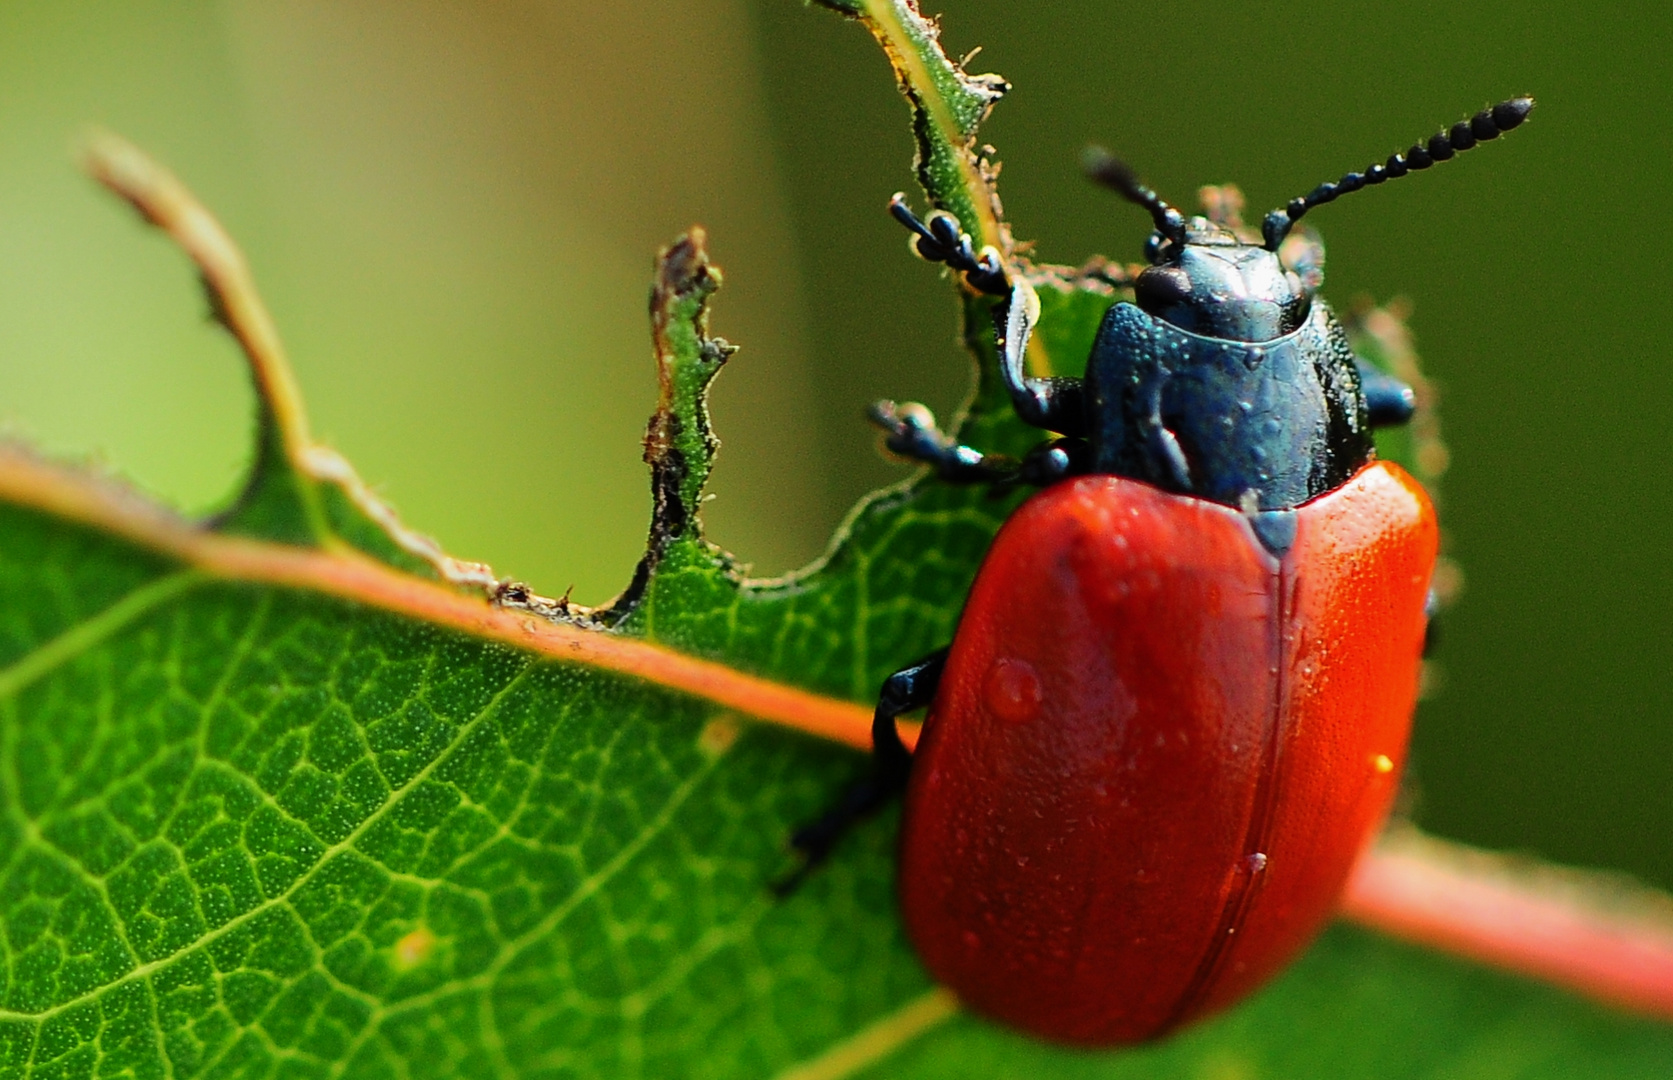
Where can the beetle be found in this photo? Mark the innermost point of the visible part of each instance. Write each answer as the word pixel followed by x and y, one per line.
pixel 1177 702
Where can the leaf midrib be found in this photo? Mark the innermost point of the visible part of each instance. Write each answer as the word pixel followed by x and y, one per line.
pixel 74 498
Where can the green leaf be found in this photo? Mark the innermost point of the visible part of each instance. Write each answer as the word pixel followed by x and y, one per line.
pixel 948 105
pixel 291 793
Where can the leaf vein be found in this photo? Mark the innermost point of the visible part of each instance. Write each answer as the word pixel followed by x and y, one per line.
pixel 93 631
pixel 346 844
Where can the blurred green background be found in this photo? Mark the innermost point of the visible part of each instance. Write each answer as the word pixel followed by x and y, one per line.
pixel 452 208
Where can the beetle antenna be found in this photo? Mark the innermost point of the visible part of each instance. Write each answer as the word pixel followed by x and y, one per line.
pixel 1110 171
pixel 1487 124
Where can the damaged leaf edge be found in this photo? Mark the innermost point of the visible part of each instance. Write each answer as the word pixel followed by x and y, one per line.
pixel 296 491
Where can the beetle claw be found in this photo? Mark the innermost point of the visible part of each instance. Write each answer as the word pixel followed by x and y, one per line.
pixel 943 240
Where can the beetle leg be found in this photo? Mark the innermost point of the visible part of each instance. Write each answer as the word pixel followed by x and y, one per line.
pixel 1388 401
pixel 943 240
pixel 911 687
pixel 1431 623
pixel 1055 404
pixel 1167 457
pixel 1049 462
pixel 909 430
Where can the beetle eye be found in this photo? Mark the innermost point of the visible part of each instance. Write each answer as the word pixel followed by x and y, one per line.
pixel 1159 288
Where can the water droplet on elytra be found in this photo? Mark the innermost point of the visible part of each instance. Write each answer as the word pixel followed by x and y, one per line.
pixel 1012 690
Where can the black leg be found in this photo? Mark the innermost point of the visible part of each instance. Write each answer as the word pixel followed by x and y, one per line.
pixel 910 431
pixel 1388 401
pixel 1049 462
pixel 1054 404
pixel 942 240
pixel 907 689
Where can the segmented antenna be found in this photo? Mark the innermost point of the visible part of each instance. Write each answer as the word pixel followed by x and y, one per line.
pixel 1113 173
pixel 1487 124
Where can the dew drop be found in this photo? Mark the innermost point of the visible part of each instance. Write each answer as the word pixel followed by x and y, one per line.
pixel 1013 690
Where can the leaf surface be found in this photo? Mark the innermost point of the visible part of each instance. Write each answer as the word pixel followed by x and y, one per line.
pixel 273 807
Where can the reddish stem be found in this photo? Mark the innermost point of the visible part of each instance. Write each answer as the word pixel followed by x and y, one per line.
pixel 1598 936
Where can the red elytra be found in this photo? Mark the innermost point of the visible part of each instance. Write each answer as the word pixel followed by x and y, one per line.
pixel 1156 750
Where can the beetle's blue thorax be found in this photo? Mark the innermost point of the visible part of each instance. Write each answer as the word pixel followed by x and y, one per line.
pixel 1226 380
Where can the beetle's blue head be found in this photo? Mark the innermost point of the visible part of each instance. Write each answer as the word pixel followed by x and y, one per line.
pixel 1214 277
pixel 1215 282
pixel 1219 280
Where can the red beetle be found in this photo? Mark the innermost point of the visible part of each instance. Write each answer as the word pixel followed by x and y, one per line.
pixel 1177 703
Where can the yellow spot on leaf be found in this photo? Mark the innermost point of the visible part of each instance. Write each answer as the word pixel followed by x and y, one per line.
pixel 719 734
pixel 414 949
pixel 1223 1066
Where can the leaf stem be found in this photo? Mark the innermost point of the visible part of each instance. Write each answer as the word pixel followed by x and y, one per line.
pixel 29 481
pixel 1595 934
